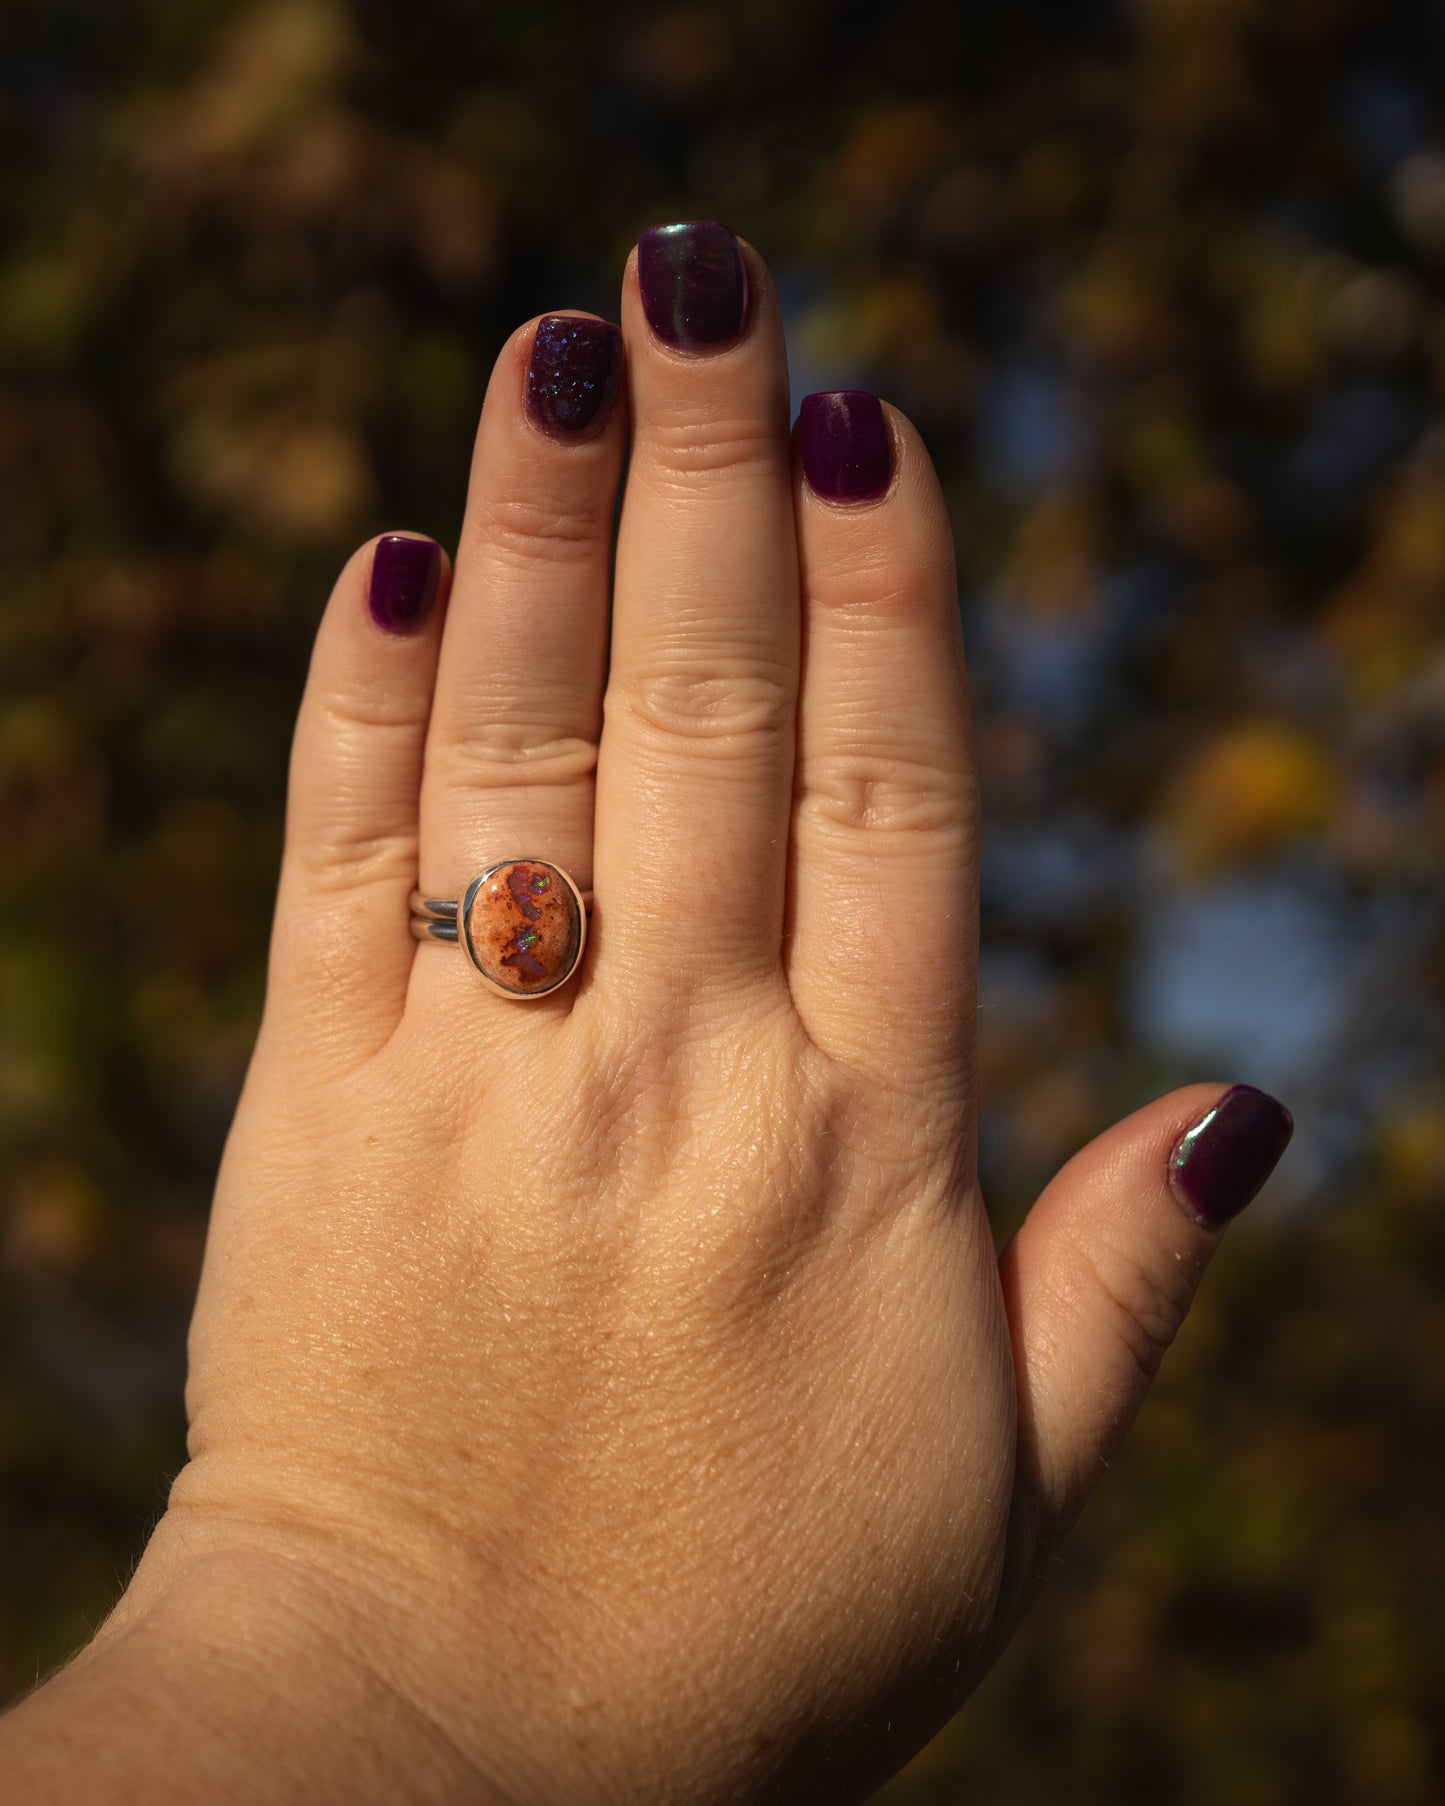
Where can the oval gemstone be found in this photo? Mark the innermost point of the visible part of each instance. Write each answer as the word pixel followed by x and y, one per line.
pixel 524 927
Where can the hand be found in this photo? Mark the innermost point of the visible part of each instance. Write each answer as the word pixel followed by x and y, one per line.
pixel 622 1387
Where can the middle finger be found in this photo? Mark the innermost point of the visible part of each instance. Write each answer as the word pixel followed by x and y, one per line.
pixel 695 766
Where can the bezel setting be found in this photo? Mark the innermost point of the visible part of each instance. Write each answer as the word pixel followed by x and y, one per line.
pixel 464 924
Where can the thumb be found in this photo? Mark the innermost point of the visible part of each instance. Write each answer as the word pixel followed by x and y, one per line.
pixel 1100 1276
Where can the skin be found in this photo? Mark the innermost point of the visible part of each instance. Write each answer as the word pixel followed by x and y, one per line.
pixel 619 1396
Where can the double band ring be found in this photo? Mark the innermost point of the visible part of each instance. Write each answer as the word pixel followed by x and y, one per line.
pixel 523 923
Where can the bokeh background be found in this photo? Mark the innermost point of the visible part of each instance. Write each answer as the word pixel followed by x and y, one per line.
pixel 1163 283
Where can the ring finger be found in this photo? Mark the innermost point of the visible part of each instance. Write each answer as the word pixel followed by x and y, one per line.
pixel 512 746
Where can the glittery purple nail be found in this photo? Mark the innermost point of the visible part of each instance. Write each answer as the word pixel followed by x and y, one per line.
pixel 1220 1164
pixel 694 284
pixel 405 572
pixel 845 445
pixel 572 374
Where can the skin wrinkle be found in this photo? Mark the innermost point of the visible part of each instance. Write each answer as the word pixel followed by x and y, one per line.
pixel 351 722
pixel 492 774
pixel 747 420
pixel 340 861
pixel 731 714
pixel 631 1141
pixel 865 579
pixel 847 795
pixel 693 471
pixel 495 750
pixel 522 535
pixel 869 604
pixel 1144 1318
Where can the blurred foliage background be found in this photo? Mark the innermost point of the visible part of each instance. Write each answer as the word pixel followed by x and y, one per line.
pixel 1162 283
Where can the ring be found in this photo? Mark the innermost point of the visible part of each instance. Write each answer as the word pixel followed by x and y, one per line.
pixel 523 923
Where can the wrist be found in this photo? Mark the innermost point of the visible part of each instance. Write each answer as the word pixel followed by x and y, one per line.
pixel 233 1676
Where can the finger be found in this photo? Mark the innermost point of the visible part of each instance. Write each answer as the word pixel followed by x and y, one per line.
pixel 881 950
pixel 342 952
pixel 697 752
pixel 513 741
pixel 1100 1276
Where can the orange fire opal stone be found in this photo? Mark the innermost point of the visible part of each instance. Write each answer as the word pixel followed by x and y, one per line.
pixel 525 927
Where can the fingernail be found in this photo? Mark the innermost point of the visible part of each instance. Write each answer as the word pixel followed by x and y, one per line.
pixel 572 374
pixel 405 572
pixel 694 284
pixel 845 444
pixel 1220 1164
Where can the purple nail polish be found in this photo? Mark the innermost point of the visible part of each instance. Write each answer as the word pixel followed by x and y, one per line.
pixel 694 284
pixel 572 374
pixel 845 444
pixel 1221 1162
pixel 405 572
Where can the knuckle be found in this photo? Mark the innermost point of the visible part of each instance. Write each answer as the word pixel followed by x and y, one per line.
pixel 355 735
pixel 884 581
pixel 497 755
pixel 346 855
pixel 1144 1314
pixel 880 795
pixel 337 720
pixel 522 532
pixel 681 450
pixel 738 711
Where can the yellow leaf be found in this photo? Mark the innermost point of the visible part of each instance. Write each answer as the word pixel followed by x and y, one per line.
pixel 1257 786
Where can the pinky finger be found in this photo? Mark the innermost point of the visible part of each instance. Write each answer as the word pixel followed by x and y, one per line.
pixel 342 949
